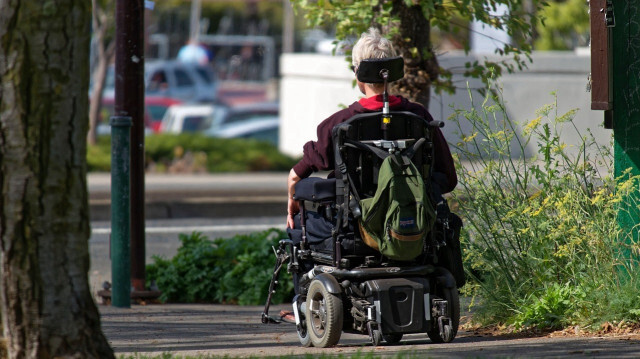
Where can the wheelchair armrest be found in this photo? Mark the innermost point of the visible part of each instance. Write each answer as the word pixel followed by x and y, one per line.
pixel 315 189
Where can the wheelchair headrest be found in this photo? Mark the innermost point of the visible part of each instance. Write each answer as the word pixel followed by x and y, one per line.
pixel 370 70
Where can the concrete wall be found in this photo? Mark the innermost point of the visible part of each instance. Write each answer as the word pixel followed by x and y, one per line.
pixel 314 86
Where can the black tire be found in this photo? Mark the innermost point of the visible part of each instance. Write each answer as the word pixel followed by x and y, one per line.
pixel 301 330
pixel 376 337
pixel 324 316
pixel 450 256
pixel 453 312
pixel 303 335
pixel 393 338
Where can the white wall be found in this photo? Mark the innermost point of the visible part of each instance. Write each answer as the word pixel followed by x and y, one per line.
pixel 313 86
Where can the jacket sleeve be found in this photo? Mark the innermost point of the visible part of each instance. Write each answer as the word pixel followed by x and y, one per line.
pixel 318 155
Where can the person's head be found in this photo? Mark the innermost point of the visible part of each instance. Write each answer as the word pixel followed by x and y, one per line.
pixel 371 45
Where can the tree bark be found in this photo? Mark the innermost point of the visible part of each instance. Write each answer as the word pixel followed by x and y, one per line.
pixel 413 43
pixel 47 307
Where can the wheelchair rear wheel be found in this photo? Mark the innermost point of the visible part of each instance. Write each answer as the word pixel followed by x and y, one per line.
pixel 324 316
pixel 453 312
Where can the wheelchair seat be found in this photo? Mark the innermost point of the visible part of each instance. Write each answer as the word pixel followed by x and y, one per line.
pixel 316 189
pixel 343 284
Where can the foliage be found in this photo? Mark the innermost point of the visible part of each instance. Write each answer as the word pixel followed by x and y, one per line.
pixel 541 239
pixel 99 155
pixel 351 18
pixel 225 270
pixel 224 17
pixel 196 153
pixel 556 33
pixel 220 155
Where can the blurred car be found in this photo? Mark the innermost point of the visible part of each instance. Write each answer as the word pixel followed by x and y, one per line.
pixel 184 81
pixel 187 82
pixel 214 120
pixel 263 128
pixel 245 113
pixel 156 107
pixel 107 110
pixel 190 118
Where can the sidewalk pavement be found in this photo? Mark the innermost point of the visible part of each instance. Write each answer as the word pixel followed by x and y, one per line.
pixel 215 329
pixel 236 331
pixel 198 195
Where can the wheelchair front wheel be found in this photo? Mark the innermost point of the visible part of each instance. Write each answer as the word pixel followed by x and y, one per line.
pixel 453 312
pixel 324 316
pixel 301 329
pixel 303 334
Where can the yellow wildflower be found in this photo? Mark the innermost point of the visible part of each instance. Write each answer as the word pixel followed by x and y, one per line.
pixel 532 125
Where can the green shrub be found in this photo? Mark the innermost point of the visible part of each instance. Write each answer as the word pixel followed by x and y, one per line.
pixel 197 153
pixel 99 155
pixel 541 238
pixel 217 154
pixel 234 270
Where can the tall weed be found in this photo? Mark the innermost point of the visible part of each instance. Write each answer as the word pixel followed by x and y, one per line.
pixel 541 239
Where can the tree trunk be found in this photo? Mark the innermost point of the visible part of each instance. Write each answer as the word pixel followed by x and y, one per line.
pixel 413 43
pixel 47 307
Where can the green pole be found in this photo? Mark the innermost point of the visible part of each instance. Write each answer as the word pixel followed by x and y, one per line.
pixel 626 109
pixel 120 211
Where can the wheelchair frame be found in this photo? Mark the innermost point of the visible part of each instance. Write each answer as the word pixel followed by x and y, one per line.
pixel 367 294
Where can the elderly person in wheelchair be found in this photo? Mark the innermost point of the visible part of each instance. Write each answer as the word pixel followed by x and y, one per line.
pixel 373 249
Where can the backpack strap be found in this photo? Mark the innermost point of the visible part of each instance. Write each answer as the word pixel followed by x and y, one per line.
pixel 382 154
pixel 406 155
pixel 411 151
pixel 345 186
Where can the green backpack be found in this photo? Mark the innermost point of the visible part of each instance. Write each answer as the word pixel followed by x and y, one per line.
pixel 398 217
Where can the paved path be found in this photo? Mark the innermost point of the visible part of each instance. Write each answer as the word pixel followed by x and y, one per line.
pixel 237 331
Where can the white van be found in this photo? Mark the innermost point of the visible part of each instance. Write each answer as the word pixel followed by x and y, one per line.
pixel 190 118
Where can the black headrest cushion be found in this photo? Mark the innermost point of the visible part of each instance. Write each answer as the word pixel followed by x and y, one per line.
pixel 370 70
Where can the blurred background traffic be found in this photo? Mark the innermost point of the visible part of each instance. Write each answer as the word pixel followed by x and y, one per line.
pixel 210 68
pixel 213 68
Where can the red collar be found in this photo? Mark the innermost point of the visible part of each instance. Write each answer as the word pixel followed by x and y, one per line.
pixel 375 102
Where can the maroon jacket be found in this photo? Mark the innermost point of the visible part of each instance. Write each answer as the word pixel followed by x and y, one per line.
pixel 318 155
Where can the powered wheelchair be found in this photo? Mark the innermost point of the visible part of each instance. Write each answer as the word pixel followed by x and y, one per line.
pixel 341 282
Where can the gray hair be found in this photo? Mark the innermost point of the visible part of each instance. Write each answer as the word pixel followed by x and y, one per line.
pixel 371 46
